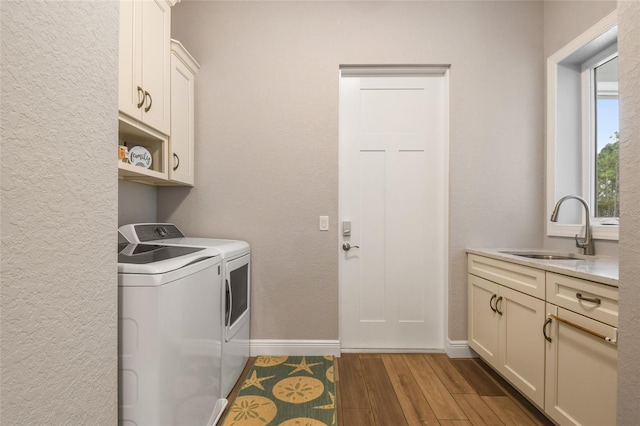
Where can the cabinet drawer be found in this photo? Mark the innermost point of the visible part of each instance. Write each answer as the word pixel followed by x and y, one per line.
pixel 574 294
pixel 521 278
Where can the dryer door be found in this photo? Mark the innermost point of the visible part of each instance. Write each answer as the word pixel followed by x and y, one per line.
pixel 237 295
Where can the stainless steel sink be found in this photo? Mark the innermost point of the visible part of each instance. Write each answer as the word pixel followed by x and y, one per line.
pixel 545 255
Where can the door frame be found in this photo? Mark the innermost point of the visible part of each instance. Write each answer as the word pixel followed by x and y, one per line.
pixel 398 71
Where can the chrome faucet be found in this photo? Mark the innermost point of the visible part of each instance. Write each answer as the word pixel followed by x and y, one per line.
pixel 585 243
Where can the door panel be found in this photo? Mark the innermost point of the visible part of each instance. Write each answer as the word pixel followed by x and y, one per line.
pixel 483 318
pixel 410 202
pixel 522 360
pixel 581 374
pixel 393 188
pixel 156 52
pixel 129 58
pixel 372 283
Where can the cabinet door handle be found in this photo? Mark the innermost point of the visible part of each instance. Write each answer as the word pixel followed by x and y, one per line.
pixel 497 309
pixel 595 300
pixel 148 107
pixel 544 329
pixel 177 162
pixel 491 303
pixel 142 98
pixel 586 330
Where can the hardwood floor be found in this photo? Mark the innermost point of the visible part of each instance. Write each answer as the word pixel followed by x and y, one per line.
pixel 423 389
pixel 426 389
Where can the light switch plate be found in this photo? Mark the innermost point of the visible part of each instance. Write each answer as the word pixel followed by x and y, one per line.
pixel 324 223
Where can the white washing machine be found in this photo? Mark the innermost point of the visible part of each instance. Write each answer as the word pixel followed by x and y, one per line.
pixel 170 339
pixel 236 294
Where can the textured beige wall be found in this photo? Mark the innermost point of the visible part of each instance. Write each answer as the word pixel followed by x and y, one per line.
pixel 628 366
pixel 267 136
pixel 59 207
pixel 565 20
pixel 137 203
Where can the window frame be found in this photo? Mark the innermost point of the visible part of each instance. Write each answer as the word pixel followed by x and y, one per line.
pixel 566 133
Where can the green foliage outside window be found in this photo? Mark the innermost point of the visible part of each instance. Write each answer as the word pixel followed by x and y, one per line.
pixel 607 180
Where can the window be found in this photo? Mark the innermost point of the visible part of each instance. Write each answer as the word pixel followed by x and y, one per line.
pixel 602 86
pixel 582 132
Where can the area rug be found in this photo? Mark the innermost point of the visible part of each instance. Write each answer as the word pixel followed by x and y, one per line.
pixel 286 391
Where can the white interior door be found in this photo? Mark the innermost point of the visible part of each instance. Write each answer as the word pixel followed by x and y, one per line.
pixel 393 191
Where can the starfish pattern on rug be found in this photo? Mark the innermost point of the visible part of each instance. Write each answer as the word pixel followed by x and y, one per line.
pixel 303 366
pixel 272 394
pixel 256 381
pixel 331 406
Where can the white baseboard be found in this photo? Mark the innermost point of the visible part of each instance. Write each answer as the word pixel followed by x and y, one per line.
pixel 453 348
pixel 391 351
pixel 459 349
pixel 275 347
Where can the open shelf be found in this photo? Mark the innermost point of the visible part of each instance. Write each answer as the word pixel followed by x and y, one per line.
pixel 133 133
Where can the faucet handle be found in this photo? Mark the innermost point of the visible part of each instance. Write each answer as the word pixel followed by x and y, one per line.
pixel 586 244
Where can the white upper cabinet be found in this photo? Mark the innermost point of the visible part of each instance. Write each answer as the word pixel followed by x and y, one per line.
pixel 181 141
pixel 145 33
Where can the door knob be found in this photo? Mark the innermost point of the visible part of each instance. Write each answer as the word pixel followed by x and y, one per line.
pixel 347 246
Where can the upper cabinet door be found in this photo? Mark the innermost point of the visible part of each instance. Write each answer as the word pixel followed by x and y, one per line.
pixel 145 31
pixel 181 142
pixel 156 60
pixel 130 69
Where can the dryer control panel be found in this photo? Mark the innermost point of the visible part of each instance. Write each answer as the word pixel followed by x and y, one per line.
pixel 144 232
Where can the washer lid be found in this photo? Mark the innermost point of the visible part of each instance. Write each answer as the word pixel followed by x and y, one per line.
pixel 169 234
pixel 228 249
pixel 141 254
pixel 150 259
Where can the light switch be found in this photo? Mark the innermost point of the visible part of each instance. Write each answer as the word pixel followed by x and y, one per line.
pixel 324 223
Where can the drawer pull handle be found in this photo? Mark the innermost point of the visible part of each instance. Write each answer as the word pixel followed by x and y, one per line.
pixel 595 300
pixel 607 339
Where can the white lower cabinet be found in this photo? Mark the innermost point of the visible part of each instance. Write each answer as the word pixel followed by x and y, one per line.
pixel 483 319
pixel 581 373
pixel 562 356
pixel 522 343
pixel 582 351
pixel 505 329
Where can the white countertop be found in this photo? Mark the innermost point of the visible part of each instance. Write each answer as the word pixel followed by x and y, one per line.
pixel 600 269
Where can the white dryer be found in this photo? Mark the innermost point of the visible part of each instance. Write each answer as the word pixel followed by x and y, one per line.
pixel 236 294
pixel 170 339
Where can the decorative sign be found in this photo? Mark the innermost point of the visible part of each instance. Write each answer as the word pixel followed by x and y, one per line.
pixel 140 156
